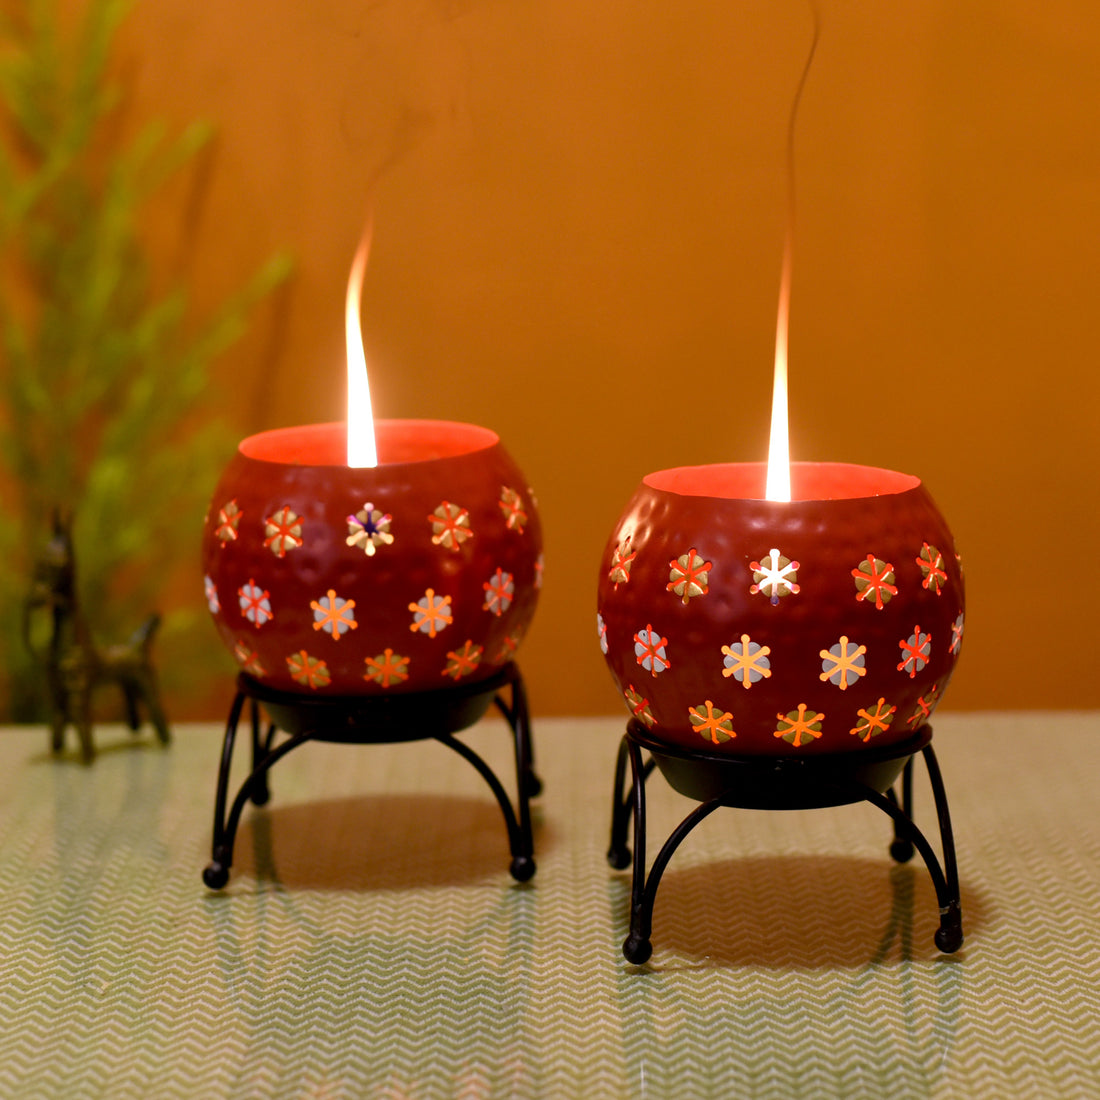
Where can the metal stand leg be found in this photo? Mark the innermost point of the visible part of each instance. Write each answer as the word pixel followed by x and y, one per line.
pixel 216 872
pixel 637 947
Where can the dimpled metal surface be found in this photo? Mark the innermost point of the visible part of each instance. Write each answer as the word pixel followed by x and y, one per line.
pixel 489 577
pixel 698 700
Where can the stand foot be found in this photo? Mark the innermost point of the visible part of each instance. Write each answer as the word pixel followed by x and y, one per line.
pixel 522 868
pixel 901 850
pixel 949 935
pixel 637 949
pixel 619 858
pixel 215 876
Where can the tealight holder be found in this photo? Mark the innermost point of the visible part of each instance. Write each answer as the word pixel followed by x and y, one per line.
pixel 373 604
pixel 780 655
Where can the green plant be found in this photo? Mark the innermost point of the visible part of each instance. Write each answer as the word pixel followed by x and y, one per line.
pixel 103 371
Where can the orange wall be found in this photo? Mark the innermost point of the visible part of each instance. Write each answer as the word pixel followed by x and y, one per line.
pixel 579 215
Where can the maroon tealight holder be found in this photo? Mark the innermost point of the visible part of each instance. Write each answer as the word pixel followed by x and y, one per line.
pixel 780 654
pixel 370 604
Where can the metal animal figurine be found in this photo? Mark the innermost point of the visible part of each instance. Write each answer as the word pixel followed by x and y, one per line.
pixel 74 664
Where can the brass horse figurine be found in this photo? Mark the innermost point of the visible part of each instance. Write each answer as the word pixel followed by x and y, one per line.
pixel 74 664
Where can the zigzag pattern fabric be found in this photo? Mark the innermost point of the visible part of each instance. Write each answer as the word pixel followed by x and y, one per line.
pixel 372 944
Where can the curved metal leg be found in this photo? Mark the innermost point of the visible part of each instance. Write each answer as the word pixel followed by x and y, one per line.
pixel 637 947
pixel 518 718
pixel 520 840
pixel 622 805
pixel 949 936
pixel 901 847
pixel 216 873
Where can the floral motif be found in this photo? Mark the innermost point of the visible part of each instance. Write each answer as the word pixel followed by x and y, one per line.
pixel 747 661
pixel 211 590
pixel 387 668
pixel 956 635
pixel 369 529
pixel 924 708
pixel 499 591
pixel 916 650
pixel 461 662
pixel 229 520
pixel 875 581
pixel 775 576
pixel 283 531
pixel 874 720
pixel 601 631
pixel 712 725
pixel 931 567
pixel 649 648
pixel 622 558
pixel 508 647
pixel 248 658
pixel 511 505
pixel 255 603
pixel 843 664
pixel 800 726
pixel 334 615
pixel 639 707
pixel 450 525
pixel 308 670
pixel 688 575
pixel 431 613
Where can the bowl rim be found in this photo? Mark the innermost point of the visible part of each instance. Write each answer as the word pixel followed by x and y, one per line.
pixel 401 442
pixel 810 482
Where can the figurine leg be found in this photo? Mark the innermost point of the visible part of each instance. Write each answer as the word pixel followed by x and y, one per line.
pixel 84 724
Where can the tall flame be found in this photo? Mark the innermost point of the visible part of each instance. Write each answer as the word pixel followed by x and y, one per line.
pixel 779 448
pixel 362 450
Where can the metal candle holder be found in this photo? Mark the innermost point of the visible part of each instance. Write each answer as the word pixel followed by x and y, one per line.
pixel 780 654
pixel 436 715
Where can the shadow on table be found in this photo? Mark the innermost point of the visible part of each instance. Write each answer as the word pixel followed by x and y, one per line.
pixel 379 842
pixel 803 911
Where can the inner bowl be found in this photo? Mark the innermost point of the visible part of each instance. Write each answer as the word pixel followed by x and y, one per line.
pixel 408 576
pixel 735 624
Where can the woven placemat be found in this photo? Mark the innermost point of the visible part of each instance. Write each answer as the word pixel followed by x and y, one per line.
pixel 371 943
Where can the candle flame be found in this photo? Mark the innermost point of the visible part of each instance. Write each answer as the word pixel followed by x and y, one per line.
pixel 362 450
pixel 779 448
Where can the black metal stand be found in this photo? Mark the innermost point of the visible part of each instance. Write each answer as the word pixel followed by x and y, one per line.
pixel 777 783
pixel 415 716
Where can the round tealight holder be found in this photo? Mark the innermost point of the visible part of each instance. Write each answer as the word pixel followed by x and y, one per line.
pixel 751 638
pixel 371 603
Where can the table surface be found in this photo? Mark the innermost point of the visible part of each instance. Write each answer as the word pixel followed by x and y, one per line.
pixel 371 943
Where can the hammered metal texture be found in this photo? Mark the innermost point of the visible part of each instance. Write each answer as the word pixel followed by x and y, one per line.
pixel 299 626
pixel 698 701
